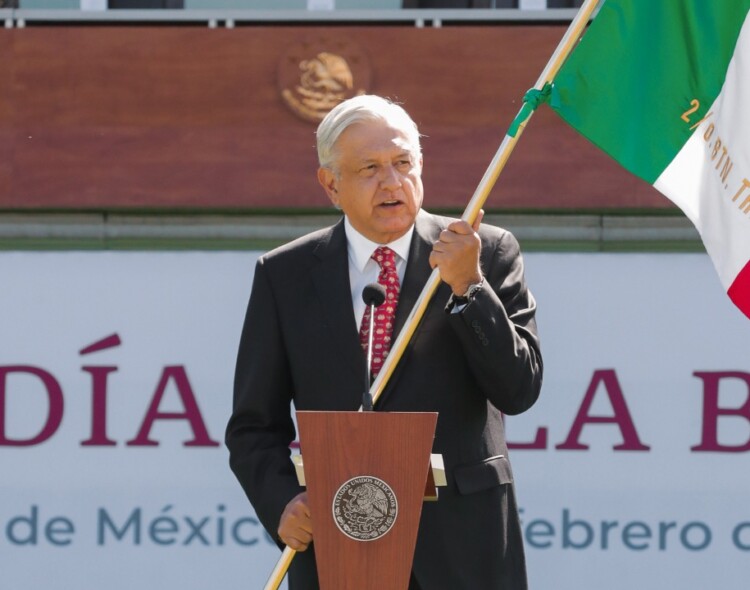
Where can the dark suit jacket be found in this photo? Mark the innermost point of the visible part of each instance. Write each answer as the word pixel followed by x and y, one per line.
pixel 300 343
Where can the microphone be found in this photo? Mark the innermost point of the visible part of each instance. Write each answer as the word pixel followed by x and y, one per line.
pixel 373 295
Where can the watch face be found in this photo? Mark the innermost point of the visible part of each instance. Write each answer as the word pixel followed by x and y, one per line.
pixel 472 290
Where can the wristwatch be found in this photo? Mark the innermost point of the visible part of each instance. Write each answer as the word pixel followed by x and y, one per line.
pixel 460 300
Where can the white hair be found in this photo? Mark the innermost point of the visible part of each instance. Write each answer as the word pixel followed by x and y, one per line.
pixel 366 107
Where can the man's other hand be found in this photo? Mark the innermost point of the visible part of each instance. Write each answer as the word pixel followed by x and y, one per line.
pixel 295 526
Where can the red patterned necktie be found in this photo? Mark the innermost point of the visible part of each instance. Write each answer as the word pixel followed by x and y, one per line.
pixel 385 314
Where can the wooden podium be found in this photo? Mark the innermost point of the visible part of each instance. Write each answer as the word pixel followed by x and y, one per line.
pixel 366 474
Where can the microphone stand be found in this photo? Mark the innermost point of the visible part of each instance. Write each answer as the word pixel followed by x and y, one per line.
pixel 373 295
pixel 367 396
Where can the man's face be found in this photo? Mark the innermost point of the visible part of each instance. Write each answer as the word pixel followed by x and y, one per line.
pixel 379 184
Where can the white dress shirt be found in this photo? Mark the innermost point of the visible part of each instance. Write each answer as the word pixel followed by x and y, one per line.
pixel 363 270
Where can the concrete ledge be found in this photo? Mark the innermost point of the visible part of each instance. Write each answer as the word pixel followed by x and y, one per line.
pixel 111 231
pixel 648 228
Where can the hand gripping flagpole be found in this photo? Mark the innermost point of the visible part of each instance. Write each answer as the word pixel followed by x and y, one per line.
pixel 533 98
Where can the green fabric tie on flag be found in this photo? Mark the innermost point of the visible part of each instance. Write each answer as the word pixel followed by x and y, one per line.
pixel 531 101
pixel 664 87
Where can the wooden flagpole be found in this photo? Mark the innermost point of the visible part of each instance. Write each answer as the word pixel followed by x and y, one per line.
pixel 569 40
pixel 574 32
pixel 278 573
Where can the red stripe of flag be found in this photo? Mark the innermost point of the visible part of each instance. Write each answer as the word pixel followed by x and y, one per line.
pixel 739 290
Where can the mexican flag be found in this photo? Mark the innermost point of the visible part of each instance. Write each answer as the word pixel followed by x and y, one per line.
pixel 663 86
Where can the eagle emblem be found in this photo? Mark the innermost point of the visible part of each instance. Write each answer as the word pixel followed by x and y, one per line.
pixel 317 75
pixel 365 508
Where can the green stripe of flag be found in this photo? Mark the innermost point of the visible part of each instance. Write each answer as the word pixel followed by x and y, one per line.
pixel 639 68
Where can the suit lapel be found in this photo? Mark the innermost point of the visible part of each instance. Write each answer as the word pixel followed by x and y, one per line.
pixel 331 280
pixel 417 269
pixel 426 231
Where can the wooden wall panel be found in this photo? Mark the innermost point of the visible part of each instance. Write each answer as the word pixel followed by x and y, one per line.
pixel 187 117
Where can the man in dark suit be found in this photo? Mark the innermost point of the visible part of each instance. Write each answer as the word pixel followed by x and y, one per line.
pixel 476 353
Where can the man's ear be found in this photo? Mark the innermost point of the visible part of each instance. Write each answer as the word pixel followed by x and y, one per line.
pixel 327 180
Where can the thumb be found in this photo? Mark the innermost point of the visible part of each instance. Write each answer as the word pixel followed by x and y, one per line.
pixel 478 220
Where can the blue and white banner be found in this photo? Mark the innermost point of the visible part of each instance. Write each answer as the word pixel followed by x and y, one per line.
pixel 116 383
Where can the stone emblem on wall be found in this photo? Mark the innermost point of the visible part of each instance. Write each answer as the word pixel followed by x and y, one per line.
pixel 317 74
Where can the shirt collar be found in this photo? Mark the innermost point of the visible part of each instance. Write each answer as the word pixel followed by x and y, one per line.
pixel 361 249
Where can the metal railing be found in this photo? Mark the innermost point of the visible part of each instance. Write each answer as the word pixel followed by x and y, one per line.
pixel 229 18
